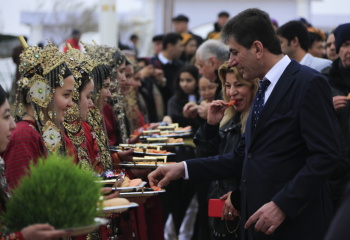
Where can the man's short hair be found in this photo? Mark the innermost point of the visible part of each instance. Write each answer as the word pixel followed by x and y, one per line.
pixel 213 48
pixel 314 37
pixel 180 18
pixel 223 14
pixel 76 33
pixel 293 29
pixel 134 36
pixel 252 25
pixel 171 38
pixel 158 37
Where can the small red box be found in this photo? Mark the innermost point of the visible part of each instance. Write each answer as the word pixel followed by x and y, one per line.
pixel 215 207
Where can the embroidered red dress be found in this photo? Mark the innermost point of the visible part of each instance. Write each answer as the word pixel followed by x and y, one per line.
pixel 92 147
pixel 26 144
pixel 111 125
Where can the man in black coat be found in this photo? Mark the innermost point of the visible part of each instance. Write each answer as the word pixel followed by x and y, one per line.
pixel 339 78
pixel 288 151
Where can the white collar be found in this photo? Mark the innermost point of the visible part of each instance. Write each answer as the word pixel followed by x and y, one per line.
pixel 277 70
pixel 163 59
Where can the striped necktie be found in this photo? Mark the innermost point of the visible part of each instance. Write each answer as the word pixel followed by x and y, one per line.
pixel 259 100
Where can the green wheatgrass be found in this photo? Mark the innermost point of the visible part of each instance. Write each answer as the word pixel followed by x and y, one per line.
pixel 57 192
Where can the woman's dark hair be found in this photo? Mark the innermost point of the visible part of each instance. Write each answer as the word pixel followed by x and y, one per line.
pixel 53 77
pixel 100 74
pixel 119 58
pixel 85 79
pixel 3 96
pixel 181 96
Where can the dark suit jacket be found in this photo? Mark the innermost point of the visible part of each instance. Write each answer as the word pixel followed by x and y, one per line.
pixel 288 157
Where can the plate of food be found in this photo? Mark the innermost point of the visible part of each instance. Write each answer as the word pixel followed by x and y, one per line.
pixel 175 128
pixel 167 134
pixel 119 209
pixel 132 185
pixel 143 192
pixel 116 205
pixel 144 151
pixel 146 162
pixel 86 229
pixel 183 129
pixel 167 142
pixel 143 165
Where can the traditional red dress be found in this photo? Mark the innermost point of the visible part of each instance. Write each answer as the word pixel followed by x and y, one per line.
pixel 26 144
pixel 70 149
pixel 111 125
pixel 92 148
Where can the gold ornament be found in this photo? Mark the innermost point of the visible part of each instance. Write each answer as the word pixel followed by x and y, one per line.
pixel 112 58
pixel 42 117
pixel 52 58
pixel 73 113
pixel 95 119
pixel 40 92
pixel 52 136
pixel 79 63
pixel 31 57
pixel 76 134
pixel 20 110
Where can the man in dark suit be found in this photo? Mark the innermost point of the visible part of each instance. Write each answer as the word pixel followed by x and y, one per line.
pixel 288 151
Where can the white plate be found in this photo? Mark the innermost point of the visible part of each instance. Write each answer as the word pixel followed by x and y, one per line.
pixel 182 131
pixel 167 144
pixel 131 165
pixel 86 229
pixel 151 154
pixel 111 181
pixel 184 134
pixel 117 209
pixel 141 194
pixel 142 184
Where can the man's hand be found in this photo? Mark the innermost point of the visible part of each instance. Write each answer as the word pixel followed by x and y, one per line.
pixel 267 218
pixel 216 111
pixel 163 175
pixel 228 212
pixel 339 102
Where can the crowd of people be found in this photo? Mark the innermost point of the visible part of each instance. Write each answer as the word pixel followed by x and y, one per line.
pixel 267 104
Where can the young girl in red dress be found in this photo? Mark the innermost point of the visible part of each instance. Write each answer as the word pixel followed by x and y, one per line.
pixel 44 95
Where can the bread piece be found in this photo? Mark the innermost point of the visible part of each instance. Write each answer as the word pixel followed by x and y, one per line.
pixel 126 182
pixel 115 202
